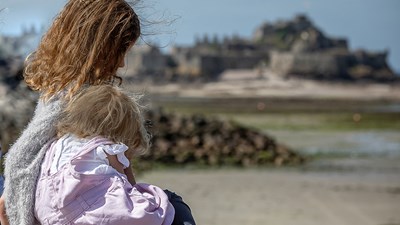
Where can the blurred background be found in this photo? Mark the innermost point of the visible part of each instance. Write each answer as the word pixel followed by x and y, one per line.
pixel 263 112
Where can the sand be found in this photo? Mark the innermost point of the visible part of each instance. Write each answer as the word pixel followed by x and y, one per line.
pixel 285 196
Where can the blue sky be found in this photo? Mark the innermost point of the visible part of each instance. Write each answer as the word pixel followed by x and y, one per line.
pixel 369 24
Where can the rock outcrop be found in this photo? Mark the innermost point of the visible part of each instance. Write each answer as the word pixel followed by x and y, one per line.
pixel 207 141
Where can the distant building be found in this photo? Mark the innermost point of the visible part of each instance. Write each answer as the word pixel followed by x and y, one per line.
pixel 311 54
pixel 145 60
pixel 208 60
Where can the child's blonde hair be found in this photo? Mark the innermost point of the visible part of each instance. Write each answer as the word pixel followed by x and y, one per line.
pixel 106 111
pixel 85 45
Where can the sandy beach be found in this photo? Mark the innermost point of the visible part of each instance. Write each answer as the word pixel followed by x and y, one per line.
pixel 285 196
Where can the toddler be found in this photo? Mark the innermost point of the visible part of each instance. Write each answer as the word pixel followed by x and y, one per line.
pixel 86 177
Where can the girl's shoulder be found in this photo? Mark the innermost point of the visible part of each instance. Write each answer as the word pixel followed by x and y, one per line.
pixel 55 102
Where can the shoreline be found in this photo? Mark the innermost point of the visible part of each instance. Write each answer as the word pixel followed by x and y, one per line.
pixel 291 89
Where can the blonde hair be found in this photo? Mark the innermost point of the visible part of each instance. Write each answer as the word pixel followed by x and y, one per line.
pixel 84 45
pixel 106 111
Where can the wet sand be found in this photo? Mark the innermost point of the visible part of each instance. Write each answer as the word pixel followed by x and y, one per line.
pixel 285 196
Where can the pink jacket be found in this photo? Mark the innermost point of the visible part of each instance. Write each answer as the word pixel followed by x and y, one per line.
pixel 69 197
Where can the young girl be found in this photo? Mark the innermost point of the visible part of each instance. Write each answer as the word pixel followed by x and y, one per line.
pixel 84 176
pixel 85 46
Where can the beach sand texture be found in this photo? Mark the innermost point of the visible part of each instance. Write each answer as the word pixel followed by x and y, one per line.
pixel 285 197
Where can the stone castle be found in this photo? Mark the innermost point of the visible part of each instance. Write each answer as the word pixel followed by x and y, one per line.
pixel 287 48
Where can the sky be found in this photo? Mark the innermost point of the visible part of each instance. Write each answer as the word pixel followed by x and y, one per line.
pixel 373 25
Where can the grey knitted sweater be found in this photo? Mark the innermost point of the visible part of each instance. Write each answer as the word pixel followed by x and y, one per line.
pixel 23 161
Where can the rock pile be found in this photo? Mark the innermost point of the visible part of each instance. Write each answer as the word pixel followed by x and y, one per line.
pixel 205 141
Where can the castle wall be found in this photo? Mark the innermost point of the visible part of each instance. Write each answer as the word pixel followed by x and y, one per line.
pixel 315 65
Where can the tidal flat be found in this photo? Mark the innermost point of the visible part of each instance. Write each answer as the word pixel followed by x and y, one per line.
pixel 351 175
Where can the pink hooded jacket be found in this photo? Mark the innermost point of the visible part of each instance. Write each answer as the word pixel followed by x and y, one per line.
pixel 70 197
